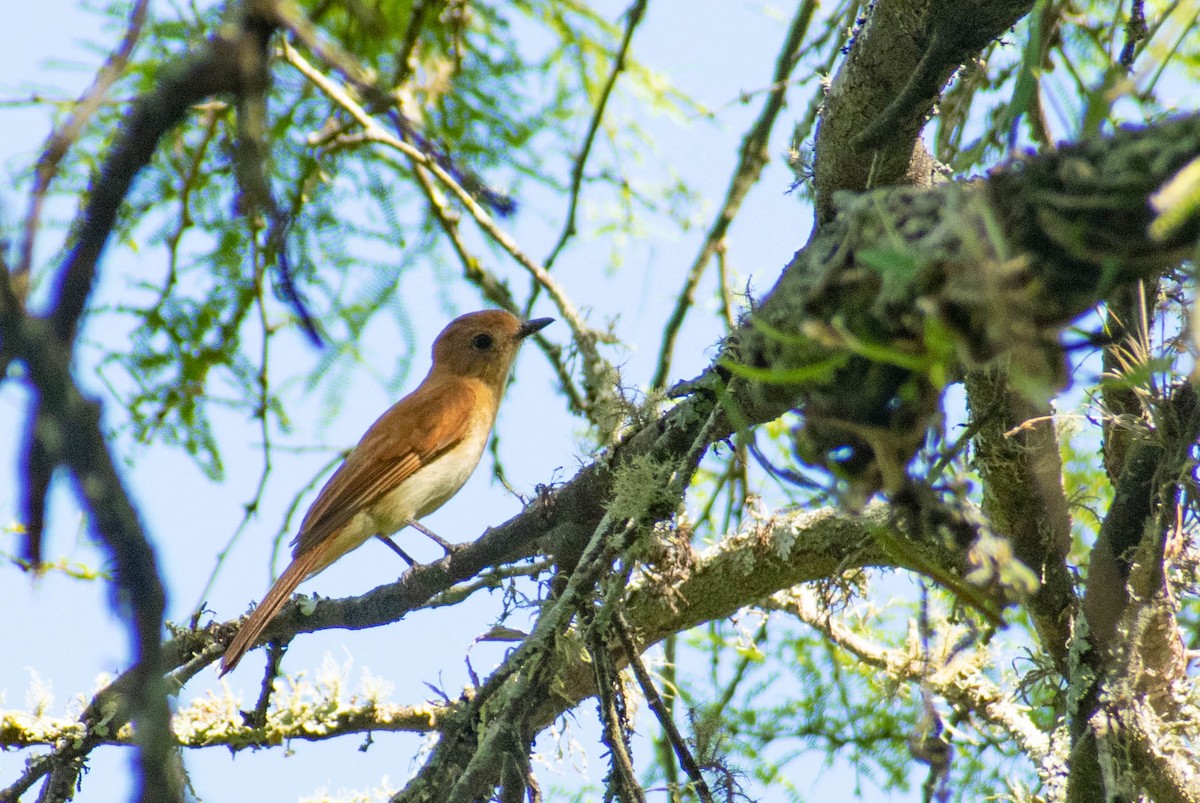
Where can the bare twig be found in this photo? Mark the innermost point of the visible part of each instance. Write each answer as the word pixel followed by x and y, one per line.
pixel 376 133
pixel 1135 31
pixel 250 507
pixel 751 160
pixel 686 760
pixel 622 780
pixel 289 16
pixel 62 138
pixel 275 652
pixel 633 16
pixel 490 579
pixel 211 115
pixel 416 21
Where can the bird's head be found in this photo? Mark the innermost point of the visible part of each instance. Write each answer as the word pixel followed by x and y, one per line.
pixel 483 344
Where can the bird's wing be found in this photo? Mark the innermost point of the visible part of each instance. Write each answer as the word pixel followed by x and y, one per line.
pixel 413 432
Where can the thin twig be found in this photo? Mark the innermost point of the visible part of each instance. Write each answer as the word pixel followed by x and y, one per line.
pixel 250 507
pixel 1135 31
pixel 663 744
pixel 291 17
pixel 275 652
pixel 622 780
pixel 727 306
pixel 285 525
pixel 376 133
pixel 64 136
pixel 633 17
pixel 212 116
pixel 416 21
pixel 686 760
pixel 752 158
pixel 490 579
pixel 37 99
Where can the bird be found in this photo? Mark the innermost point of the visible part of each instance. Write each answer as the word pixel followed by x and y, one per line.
pixel 410 462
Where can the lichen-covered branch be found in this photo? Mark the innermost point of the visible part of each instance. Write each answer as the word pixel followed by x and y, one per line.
pixel 1128 646
pixel 1018 460
pixel 752 158
pixel 878 101
pixel 304 713
pixel 908 287
pixel 770 554
pixel 959 680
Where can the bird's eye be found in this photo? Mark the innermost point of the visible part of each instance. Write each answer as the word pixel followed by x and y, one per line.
pixel 482 342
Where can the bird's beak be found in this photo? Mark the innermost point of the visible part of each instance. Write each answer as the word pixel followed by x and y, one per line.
pixel 529 327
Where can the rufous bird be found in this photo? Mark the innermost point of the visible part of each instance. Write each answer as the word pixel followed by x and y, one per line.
pixel 409 463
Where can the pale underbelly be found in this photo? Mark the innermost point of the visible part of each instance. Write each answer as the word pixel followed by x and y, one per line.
pixel 420 494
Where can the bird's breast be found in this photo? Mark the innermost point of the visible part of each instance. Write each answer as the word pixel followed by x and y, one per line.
pixel 429 487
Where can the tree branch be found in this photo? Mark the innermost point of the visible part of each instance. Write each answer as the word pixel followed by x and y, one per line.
pixel 1017 456
pixel 897 66
pixel 906 287
pixel 952 31
pixel 768 555
pixel 211 71
pixel 686 759
pixel 633 17
pixel 67 429
pixel 752 157
pixel 1129 647
pixel 64 136
pixel 72 423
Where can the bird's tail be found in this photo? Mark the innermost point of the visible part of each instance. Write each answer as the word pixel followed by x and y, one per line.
pixel 302 566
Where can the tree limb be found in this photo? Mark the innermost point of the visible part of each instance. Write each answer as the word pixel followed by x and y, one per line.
pixel 1017 456
pixel 907 287
pixel 752 158
pixel 898 63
